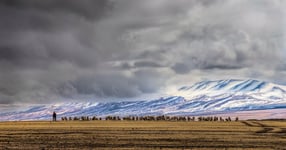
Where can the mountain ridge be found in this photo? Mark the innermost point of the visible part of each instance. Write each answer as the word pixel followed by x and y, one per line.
pixel 202 98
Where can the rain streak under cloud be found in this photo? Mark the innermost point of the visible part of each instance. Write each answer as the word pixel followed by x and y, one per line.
pixel 59 50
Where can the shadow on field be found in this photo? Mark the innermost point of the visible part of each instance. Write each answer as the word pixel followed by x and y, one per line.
pixel 247 124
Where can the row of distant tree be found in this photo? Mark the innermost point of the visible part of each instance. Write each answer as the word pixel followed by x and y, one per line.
pixel 151 118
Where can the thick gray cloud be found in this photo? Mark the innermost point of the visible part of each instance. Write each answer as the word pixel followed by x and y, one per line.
pixel 71 49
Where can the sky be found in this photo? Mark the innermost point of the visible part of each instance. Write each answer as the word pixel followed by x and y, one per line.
pixel 63 50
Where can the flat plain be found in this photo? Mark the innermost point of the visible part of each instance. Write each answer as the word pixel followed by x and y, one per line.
pixel 143 135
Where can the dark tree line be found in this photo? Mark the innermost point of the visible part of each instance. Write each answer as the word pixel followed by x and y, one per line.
pixel 150 118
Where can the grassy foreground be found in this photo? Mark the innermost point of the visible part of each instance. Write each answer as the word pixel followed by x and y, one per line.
pixel 143 135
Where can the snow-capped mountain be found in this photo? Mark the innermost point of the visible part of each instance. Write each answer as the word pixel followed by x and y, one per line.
pixel 203 98
pixel 255 88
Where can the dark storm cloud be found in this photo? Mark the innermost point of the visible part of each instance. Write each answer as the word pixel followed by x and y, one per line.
pixel 38 32
pixel 222 67
pixel 139 65
pixel 181 68
pixel 67 49
pixel 147 64
pixel 92 9
pixel 104 85
pixel 42 43
pixel 117 85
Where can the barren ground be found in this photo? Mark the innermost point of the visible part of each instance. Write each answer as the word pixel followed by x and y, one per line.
pixel 143 135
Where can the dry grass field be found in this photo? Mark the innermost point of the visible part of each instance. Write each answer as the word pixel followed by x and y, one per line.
pixel 143 135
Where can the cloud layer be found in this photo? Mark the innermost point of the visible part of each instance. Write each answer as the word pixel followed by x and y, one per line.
pixel 68 49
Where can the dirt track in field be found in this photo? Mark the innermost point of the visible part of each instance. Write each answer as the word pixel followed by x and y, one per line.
pixel 143 135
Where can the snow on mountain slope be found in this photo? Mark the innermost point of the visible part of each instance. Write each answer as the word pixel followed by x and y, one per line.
pixel 253 88
pixel 203 98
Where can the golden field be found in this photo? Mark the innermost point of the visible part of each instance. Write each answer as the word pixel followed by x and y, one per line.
pixel 143 135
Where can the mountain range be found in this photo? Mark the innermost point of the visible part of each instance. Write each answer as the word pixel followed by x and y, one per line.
pixel 202 98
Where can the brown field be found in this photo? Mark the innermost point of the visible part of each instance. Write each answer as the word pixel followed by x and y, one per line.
pixel 143 135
